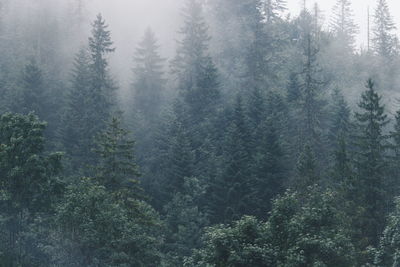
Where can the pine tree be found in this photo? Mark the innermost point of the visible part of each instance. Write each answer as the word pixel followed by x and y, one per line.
pixel 148 85
pixel 370 162
pixel 96 229
pixel 230 192
pixel 343 25
pixel 194 68
pixel 102 87
pixel 116 169
pixel 273 9
pixel 29 187
pixel 340 111
pixel 33 91
pixel 180 159
pixel 293 89
pixel 384 40
pixel 307 172
pixel 91 99
pixel 310 83
pixel 77 134
pixel 185 222
pixel 388 253
pixel 267 168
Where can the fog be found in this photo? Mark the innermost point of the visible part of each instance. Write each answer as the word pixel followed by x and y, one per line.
pixel 233 133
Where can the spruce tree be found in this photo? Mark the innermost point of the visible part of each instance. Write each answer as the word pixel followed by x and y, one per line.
pixel 91 99
pixel 310 84
pixel 116 169
pixel 343 25
pixel 29 187
pixel 274 8
pixel 385 42
pixel 76 134
pixel 148 85
pixel 197 76
pixel 102 87
pixel 371 144
pixel 387 253
pixel 230 192
pixel 33 91
pixel 307 172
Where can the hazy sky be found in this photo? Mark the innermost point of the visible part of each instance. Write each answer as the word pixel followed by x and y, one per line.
pixel 360 8
pixel 129 18
pixel 150 12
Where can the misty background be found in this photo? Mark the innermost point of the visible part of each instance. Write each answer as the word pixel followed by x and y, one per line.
pixel 192 133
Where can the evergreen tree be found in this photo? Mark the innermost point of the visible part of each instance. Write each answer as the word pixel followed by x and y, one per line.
pixel 91 99
pixel 343 25
pixel 244 243
pixel 307 173
pixel 231 190
pixel 387 254
pixel 370 162
pixel 340 117
pixel 33 91
pixel 116 169
pixel 268 169
pixel 102 87
pixel 29 188
pixel 293 89
pixel 309 230
pixel 185 222
pixel 384 39
pixel 196 73
pixel 76 134
pixel 148 85
pixel 273 9
pixel 95 229
pixel 310 84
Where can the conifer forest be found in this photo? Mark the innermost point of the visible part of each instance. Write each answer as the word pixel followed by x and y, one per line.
pixel 199 133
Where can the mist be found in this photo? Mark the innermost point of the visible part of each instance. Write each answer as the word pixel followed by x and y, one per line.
pixel 193 133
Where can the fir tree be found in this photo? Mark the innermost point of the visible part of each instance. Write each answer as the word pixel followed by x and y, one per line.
pixel 384 39
pixel 388 253
pixel 116 169
pixel 231 190
pixel 310 84
pixel 343 25
pixel 33 91
pixel 273 9
pixel 370 162
pixel 76 134
pixel 307 172
pixel 29 186
pixel 148 85
pixel 194 68
pixel 102 87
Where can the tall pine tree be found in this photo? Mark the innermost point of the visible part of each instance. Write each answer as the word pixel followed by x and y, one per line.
pixel 370 162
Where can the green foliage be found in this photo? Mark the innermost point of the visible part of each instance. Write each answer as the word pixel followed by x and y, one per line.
pixel 95 229
pixel 91 99
pixel 371 144
pixel 185 222
pixel 245 243
pixel 148 82
pixel 116 169
pixel 194 68
pixel 309 230
pixel 387 253
pixel 385 41
pixel 307 173
pixel 302 230
pixel 343 24
pixel 28 187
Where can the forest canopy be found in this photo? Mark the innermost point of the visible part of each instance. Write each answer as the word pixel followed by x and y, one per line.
pixel 263 139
